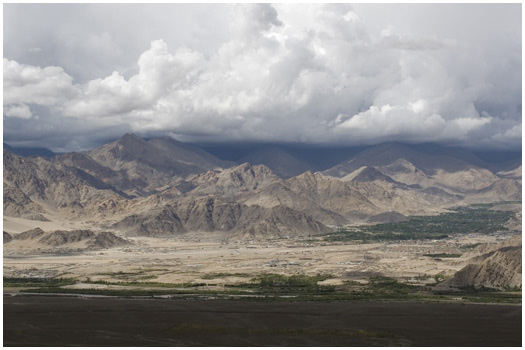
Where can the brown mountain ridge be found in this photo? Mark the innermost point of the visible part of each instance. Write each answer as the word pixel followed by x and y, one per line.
pixel 162 187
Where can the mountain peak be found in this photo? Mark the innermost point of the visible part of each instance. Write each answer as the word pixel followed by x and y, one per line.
pixel 427 159
pixel 281 162
pixel 129 138
pixel 187 153
pixel 244 166
pixel 254 170
pixel 370 174
pixel 306 175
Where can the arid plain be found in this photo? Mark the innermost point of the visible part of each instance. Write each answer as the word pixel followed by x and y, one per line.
pixel 189 258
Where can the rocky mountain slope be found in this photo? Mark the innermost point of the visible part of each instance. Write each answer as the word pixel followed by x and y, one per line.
pixel 493 266
pixel 162 187
pixel 233 182
pixel 452 173
pixel 73 239
pixel 209 214
pixel 189 154
pixel 388 153
pixel 147 166
pixel 33 187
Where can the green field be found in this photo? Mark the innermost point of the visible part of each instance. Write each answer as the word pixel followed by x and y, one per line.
pixel 473 219
pixel 273 287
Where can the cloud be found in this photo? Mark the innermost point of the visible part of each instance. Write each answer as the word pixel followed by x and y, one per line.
pixel 415 43
pixel 287 73
pixel 412 122
pixel 28 84
pixel 18 111
pixel 159 73
pixel 254 19
pixel 90 41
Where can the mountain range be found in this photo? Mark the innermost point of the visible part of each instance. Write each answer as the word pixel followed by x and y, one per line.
pixel 163 187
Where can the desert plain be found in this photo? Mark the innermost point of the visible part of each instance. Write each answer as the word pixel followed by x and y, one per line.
pixel 210 258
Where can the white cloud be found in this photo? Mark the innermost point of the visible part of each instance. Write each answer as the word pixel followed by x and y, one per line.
pixel 390 39
pixel 511 136
pixel 409 123
pixel 28 84
pixel 159 73
pixel 251 20
pixel 309 73
pixel 18 111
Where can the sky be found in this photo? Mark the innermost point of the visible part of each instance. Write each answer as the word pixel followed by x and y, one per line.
pixel 78 75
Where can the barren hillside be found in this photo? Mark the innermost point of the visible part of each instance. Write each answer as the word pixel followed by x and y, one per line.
pixel 496 266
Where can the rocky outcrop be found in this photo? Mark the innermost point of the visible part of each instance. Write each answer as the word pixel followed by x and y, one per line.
pixel 82 239
pixel 106 240
pixel 7 237
pixel 497 266
pixel 280 221
pixel 31 234
pixel 60 237
pixel 234 182
pixel 154 223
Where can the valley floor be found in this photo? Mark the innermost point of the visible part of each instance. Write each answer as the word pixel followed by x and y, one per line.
pixel 190 259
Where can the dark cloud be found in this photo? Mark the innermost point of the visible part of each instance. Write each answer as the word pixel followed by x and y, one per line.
pixel 309 73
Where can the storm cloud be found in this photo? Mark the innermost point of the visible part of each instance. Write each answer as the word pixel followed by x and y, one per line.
pixel 317 74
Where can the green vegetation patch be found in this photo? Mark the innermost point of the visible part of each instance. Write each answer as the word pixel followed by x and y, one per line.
pixel 274 287
pixel 473 219
pixel 211 276
pixel 275 280
pixel 139 274
pixel 37 282
pixel 469 246
pixel 147 284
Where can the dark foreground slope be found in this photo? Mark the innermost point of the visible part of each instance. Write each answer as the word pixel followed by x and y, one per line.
pixel 60 321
